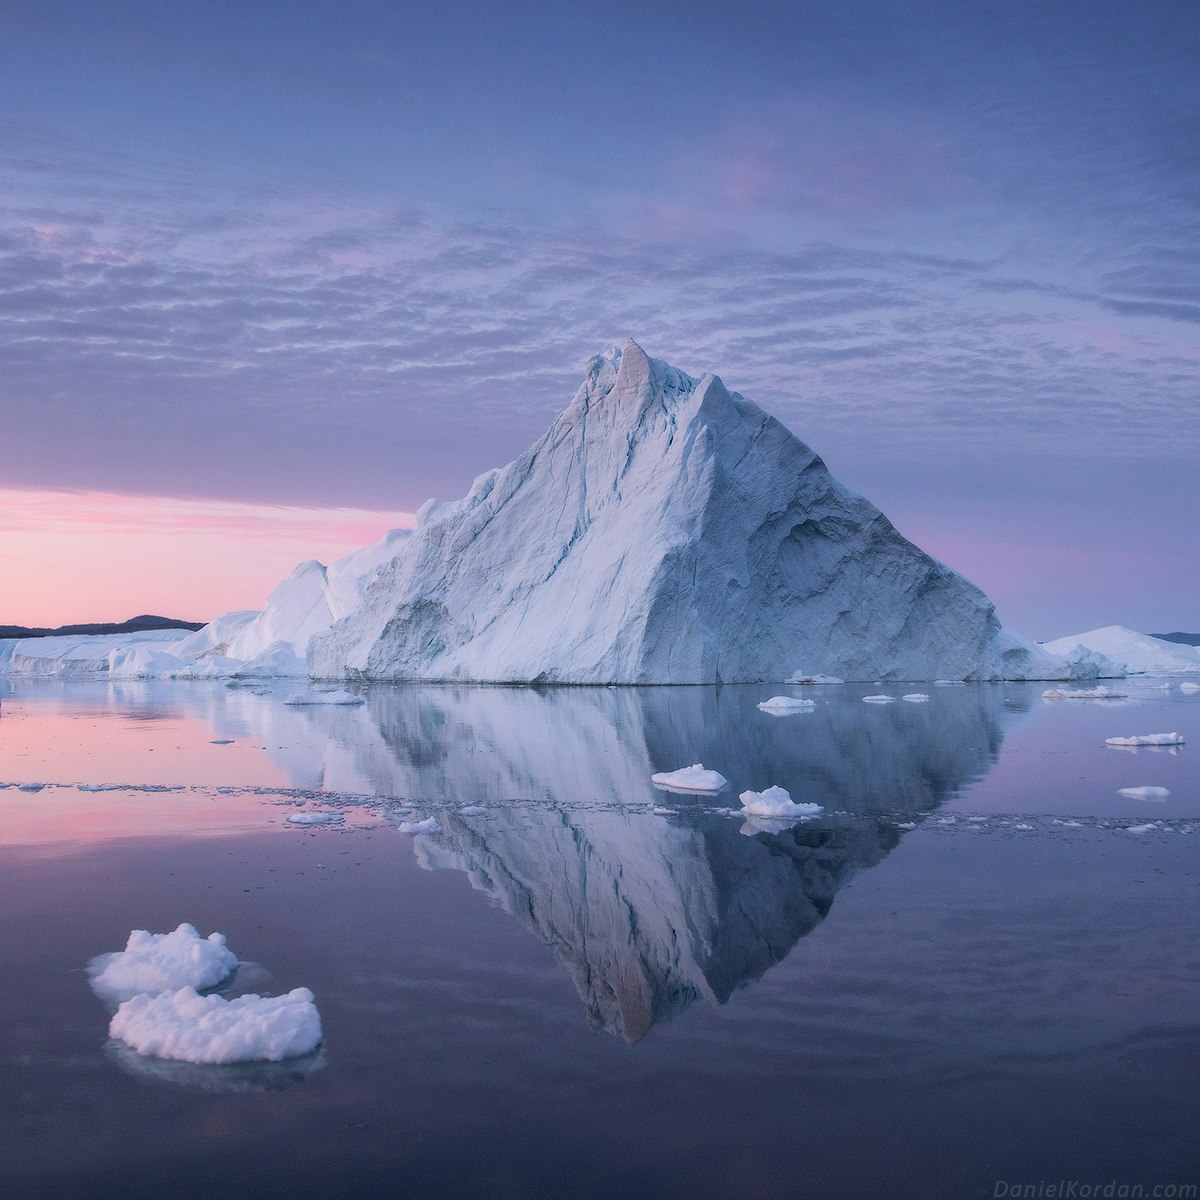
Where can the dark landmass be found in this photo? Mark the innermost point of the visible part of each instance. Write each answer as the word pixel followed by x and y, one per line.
pixel 1183 639
pixel 133 625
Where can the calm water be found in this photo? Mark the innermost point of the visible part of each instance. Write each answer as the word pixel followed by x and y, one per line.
pixel 980 966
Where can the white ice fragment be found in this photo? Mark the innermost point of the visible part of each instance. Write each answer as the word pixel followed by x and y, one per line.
pixel 1145 793
pixel 1141 828
pixel 315 818
pixel 776 802
pixel 161 962
pixel 879 699
pixel 324 696
pixel 916 698
pixel 1023 827
pixel 472 810
pixel 1189 687
pixel 30 787
pixel 1146 739
pixel 949 683
pixel 189 1027
pixel 907 825
pixel 781 705
pixel 1096 693
pixel 689 779
pixel 220 741
pixel 429 825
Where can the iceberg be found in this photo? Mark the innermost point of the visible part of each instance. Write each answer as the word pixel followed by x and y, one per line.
pixel 1096 693
pixel 160 962
pixel 781 705
pixel 325 696
pixel 1130 652
pixel 689 779
pixel 666 530
pixel 1145 793
pixel 776 802
pixel 192 1028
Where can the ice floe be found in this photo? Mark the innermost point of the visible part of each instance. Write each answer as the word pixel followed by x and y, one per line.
pixel 187 1026
pixel 776 802
pixel 1189 687
pixel 1096 693
pixel 689 779
pixel 1146 739
pixel 780 705
pixel 916 698
pixel 1145 793
pixel 160 962
pixel 314 818
pixel 879 699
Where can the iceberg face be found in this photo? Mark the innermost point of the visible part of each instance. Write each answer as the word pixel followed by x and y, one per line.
pixel 1131 652
pixel 666 530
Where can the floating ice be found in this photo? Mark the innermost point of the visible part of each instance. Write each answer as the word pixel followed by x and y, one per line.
pixel 472 810
pixel 1189 687
pixel 786 704
pixel 220 741
pixel 916 698
pixel 1146 739
pixel 689 779
pixel 429 825
pixel 1145 793
pixel 879 699
pixel 315 818
pixel 189 1027
pixel 1096 693
pixel 776 802
pixel 30 787
pixel 161 962
pixel 1141 828
pixel 324 696
pixel 949 683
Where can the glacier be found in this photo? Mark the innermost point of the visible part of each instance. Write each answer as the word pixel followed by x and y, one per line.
pixel 664 530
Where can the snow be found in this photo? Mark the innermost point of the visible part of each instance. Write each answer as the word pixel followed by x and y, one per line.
pixel 315 818
pixel 689 779
pixel 1145 793
pixel 160 962
pixel 428 825
pixel 776 802
pixel 879 699
pixel 186 1026
pixel 1146 739
pixel 1133 652
pixel 1096 693
pixel 780 705
pixel 916 698
pixel 666 530
pixel 324 696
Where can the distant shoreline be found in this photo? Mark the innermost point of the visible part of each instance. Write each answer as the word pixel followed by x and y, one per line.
pixel 133 625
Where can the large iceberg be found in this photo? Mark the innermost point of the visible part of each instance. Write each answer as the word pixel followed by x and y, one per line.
pixel 1131 652
pixel 666 530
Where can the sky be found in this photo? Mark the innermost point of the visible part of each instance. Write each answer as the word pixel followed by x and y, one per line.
pixel 273 274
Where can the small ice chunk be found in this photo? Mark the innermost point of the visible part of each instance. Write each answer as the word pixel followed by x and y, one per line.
pixel 328 696
pixel 1144 793
pixel 907 825
pixel 161 962
pixel 1096 693
pixel 776 802
pixel 786 704
pixel 1141 828
pixel 472 810
pixel 30 787
pixel 220 741
pixel 689 779
pixel 879 699
pixel 949 683
pixel 186 1026
pixel 1189 687
pixel 1022 826
pixel 1146 739
pixel 314 818
pixel 429 825
pixel 916 698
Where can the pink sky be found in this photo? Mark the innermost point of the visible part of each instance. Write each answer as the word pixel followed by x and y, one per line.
pixel 69 557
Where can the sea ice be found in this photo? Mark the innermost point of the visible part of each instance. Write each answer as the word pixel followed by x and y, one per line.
pixel 1146 739
pixel 786 704
pixel 324 696
pixel 189 1027
pixel 1145 793
pixel 160 962
pixel 315 818
pixel 689 779
pixel 879 699
pixel 776 802
pixel 916 698
pixel 1141 828
pixel 1096 693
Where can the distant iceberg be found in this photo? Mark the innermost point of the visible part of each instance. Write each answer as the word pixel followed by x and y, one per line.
pixel 1130 652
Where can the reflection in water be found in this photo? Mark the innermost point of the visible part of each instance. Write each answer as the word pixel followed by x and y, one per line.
pixel 649 908
pixel 207 1077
